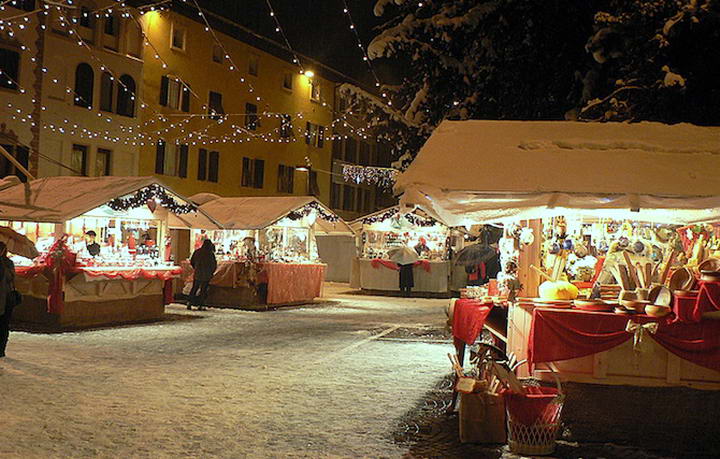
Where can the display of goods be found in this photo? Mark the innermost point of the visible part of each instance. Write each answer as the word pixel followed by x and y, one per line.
pixel 558 290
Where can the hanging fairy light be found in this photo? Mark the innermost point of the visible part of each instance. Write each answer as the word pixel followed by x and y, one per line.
pixel 384 177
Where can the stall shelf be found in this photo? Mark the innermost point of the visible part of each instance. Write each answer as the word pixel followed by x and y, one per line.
pixel 519 173
pixel 129 280
pixel 267 253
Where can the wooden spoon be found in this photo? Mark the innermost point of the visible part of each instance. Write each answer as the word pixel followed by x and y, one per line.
pixel 631 268
pixel 666 270
pixel 541 272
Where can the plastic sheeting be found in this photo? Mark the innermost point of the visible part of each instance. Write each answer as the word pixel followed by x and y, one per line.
pixel 484 171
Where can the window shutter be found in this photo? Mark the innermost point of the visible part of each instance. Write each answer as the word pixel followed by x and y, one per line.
pixel 281 178
pixel 164 91
pixel 185 98
pixel 307 132
pixel 214 166
pixel 183 166
pixel 321 136
pixel 259 170
pixel 160 158
pixel 202 164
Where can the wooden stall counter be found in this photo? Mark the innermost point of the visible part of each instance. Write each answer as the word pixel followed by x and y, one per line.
pixel 236 283
pixel 94 296
pixel 614 349
pixel 372 274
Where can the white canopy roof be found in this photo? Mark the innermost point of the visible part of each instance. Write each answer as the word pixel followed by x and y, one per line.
pixel 483 171
pixel 249 213
pixel 58 199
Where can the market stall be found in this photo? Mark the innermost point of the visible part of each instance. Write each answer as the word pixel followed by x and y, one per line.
pixel 603 205
pixel 381 232
pixel 105 251
pixel 267 253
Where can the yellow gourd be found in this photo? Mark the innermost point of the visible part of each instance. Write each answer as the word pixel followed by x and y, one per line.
pixel 558 290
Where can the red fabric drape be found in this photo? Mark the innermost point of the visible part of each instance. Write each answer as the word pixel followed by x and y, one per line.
pixel 469 317
pixel 132 274
pixel 568 334
pixel 690 309
pixel 378 262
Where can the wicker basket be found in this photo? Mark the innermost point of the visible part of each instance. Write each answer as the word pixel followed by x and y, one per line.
pixel 533 418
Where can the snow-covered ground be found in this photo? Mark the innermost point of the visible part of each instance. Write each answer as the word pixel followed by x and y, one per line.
pixel 304 382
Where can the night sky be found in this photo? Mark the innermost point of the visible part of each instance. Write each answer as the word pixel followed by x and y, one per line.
pixel 316 28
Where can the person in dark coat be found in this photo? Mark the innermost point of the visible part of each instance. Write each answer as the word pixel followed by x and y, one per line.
pixel 7 285
pixel 407 281
pixel 204 263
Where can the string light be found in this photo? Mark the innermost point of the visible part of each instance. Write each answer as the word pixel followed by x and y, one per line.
pixel 154 191
pixel 384 177
pixel 414 219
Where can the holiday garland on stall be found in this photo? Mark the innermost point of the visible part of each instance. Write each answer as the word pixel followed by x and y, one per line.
pixel 142 196
pixel 381 176
pixel 415 220
pixel 309 208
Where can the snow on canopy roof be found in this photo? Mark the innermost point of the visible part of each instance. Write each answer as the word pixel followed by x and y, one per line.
pixel 58 199
pixel 251 213
pixel 494 170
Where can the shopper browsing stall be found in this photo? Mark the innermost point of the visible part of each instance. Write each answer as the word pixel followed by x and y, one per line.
pixel 204 263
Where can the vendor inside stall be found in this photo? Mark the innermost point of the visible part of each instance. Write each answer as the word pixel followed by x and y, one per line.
pixel 267 254
pixel 91 271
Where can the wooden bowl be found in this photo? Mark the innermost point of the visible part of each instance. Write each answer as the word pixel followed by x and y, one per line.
pixel 657 311
pixel 635 305
pixel 681 279
pixel 660 296
pixel 711 264
pixel 709 276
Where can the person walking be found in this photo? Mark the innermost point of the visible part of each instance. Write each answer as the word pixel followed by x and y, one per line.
pixel 7 296
pixel 204 263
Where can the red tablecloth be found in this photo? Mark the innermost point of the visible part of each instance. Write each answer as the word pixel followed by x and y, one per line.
pixel 290 283
pixel 691 308
pixel 469 317
pixel 133 274
pixel 567 334
pixel 378 262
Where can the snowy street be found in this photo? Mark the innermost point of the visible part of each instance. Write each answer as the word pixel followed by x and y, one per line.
pixel 310 381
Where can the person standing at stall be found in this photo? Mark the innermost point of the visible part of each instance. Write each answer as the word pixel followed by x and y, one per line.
pixel 7 296
pixel 204 263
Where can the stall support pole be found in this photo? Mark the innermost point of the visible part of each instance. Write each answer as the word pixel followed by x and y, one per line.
pixel 15 163
pixel 530 255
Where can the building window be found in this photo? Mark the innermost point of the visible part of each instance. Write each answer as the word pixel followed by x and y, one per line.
pixel 337 148
pixel 288 81
pixel 336 195
pixel 112 25
pixel 25 5
pixel 348 197
pixel 314 187
pixel 214 166
pixel 106 92
pixel 171 159
pixel 314 134
pixel 126 96
pixel 78 160
pixel 84 76
pixel 174 94
pixel 202 164
pixel 9 68
pixel 177 40
pixel 285 179
pixel 254 65
pixel 103 162
pixel 86 19
pixel 364 154
pixel 315 90
pixel 253 173
pixel 350 150
pixel 215 106
pixel 218 55
pixel 251 117
pixel 286 127
pixel 22 156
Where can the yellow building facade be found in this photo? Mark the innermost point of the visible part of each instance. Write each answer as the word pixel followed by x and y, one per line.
pixel 222 116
